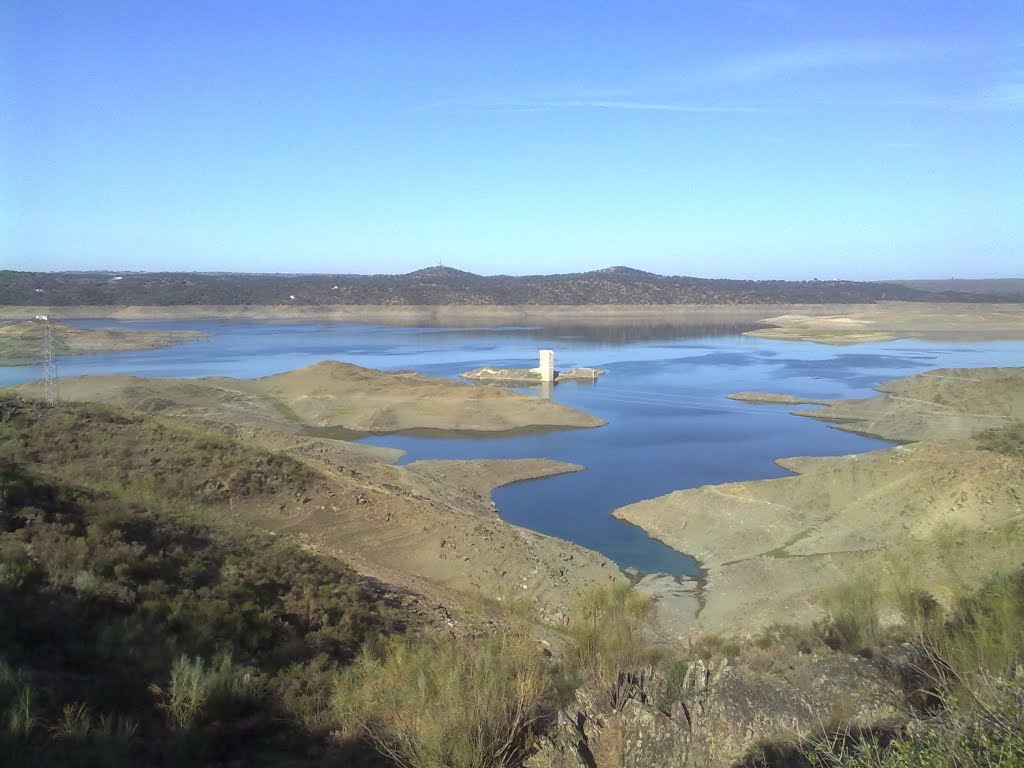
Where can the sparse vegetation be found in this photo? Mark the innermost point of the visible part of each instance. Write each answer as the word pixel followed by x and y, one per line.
pixel 138 628
pixel 607 634
pixel 1008 441
pixel 971 660
pixel 130 626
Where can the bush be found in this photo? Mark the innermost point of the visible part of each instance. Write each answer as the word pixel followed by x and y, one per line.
pixel 16 703
pixel 982 642
pixel 198 694
pixel 607 633
pixel 994 739
pixel 447 704
pixel 1008 441
pixel 853 616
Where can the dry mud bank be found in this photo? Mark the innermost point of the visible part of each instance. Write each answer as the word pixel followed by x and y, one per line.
pixel 425 315
pixel 21 343
pixel 941 510
pixel 886 321
pixel 823 323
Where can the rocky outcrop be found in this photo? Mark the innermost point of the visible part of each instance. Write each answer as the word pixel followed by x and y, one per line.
pixel 716 713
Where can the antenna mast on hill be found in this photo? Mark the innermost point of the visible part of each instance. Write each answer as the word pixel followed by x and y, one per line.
pixel 49 361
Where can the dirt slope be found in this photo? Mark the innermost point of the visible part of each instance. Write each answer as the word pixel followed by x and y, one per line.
pixel 430 528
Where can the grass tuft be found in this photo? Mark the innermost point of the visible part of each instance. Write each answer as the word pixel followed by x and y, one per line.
pixel 447 704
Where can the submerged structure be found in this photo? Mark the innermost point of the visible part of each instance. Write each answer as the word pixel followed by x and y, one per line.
pixel 544 373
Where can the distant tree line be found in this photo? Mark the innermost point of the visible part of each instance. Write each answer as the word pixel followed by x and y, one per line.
pixel 442 286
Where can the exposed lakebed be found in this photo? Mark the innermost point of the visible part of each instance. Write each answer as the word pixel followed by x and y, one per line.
pixel 669 423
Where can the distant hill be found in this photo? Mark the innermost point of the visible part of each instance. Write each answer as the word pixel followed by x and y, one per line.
pixel 1010 288
pixel 447 286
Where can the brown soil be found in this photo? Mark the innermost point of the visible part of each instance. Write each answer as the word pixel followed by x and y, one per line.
pixel 21 343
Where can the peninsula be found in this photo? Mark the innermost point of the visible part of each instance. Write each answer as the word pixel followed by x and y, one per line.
pixel 943 507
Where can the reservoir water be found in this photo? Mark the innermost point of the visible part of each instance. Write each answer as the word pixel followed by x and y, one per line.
pixel 669 424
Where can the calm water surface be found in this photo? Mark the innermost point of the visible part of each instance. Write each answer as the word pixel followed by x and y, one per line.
pixel 669 425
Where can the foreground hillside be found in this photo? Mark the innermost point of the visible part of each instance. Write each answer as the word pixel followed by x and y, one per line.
pixel 137 627
pixel 439 286
pixel 144 621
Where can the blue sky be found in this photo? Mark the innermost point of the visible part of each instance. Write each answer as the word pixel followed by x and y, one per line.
pixel 752 138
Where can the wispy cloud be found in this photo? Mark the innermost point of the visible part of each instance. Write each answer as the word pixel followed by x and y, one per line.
pixel 835 54
pixel 999 97
pixel 599 104
pixel 1004 96
pixel 646 106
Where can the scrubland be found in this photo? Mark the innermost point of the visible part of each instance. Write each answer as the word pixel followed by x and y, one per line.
pixel 143 623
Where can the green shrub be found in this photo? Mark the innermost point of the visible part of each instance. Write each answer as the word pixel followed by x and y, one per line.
pixel 200 694
pixel 853 615
pixel 990 739
pixel 1008 441
pixel 446 703
pixel 607 633
pixel 982 642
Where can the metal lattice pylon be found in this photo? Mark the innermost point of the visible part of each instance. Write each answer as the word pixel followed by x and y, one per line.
pixel 49 361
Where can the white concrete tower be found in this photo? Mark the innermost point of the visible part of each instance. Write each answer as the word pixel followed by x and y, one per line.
pixel 547 365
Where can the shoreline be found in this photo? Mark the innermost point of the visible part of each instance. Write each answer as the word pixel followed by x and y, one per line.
pixel 770 549
pixel 830 324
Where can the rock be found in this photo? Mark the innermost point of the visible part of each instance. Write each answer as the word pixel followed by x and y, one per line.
pixel 718 713
pixel 595 734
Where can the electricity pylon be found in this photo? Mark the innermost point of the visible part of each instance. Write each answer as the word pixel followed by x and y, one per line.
pixel 49 361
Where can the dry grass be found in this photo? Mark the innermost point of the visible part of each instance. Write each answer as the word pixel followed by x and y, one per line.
pixel 447 704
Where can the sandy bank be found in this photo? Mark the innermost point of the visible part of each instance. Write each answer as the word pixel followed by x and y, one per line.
pixel 772 398
pixel 329 395
pixel 886 321
pixel 822 323
pixel 21 343
pixel 423 315
pixel 772 547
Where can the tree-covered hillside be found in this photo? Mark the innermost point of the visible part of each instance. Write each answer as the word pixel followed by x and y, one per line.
pixel 439 286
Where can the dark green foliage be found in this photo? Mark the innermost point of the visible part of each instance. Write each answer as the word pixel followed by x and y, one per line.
pixel 133 633
pixel 439 285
